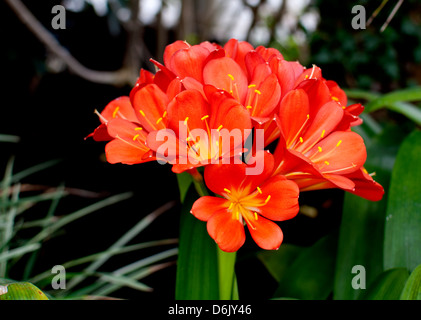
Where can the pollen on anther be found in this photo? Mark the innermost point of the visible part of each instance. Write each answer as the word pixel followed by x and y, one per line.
pixel 327 162
pixel 227 190
pixel 260 190
pixel 231 76
pixel 251 86
pixel 255 216
pixel 335 98
pixel 249 107
pixel 320 149
pixel 301 139
pixel 257 91
pixel 339 142
pixel 159 120
pixel 185 121
pixel 323 133
pixel 205 117
pixel 164 114
pixel 115 112
pixel 230 206
pixel 238 215
pixel 142 113
pixel 138 128
pixel 219 128
pixel 135 137
pixel 267 199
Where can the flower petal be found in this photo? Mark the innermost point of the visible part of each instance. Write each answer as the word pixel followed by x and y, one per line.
pixel 204 207
pixel 267 234
pixel 283 201
pixel 227 231
pixel 150 103
pixel 293 114
pixel 119 108
pixel 225 74
pixel 189 62
pixel 341 153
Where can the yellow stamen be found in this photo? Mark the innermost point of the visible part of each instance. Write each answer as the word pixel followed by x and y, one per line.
pixel 231 76
pixel 115 112
pixel 320 149
pixel 142 113
pixel 260 190
pixel 301 140
pixel 251 86
pixel 365 171
pixel 205 117
pixel 327 162
pixel 231 205
pixel 249 107
pixel 339 142
pixel 257 91
pixel 135 137
pixel 335 98
pixel 238 215
pixel 323 133
pixel 219 128
pixel 227 190
pixel 267 199
pixel 159 120
pixel 138 128
pixel 185 121
pixel 164 114
pixel 255 216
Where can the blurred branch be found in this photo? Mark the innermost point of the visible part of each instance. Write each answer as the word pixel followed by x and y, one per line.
pixel 255 11
pixel 276 18
pixel 118 77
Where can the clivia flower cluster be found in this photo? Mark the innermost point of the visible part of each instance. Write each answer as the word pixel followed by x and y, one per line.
pixel 224 108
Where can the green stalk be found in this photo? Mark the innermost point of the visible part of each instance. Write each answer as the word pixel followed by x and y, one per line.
pixel 226 260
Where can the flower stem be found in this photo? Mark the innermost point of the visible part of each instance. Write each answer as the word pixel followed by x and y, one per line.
pixel 198 182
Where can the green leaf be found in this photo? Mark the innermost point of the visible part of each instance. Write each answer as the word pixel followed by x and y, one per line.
pixel 309 277
pixel 197 265
pixel 387 286
pixel 278 261
pixel 409 94
pixel 412 289
pixel 227 279
pixel 402 243
pixel 361 233
pixel 21 291
pixel 184 181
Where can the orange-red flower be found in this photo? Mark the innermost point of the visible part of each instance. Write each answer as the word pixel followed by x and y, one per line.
pixel 252 200
pixel 317 149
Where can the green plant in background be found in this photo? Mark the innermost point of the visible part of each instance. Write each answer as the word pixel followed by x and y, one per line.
pixel 83 279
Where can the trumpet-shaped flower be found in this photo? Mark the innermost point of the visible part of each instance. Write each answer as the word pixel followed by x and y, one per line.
pixel 251 200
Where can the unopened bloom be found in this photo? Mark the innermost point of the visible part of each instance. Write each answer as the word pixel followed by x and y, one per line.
pixel 251 200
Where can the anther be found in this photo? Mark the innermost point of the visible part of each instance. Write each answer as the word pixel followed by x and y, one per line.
pixel 138 128
pixel 219 128
pixel 185 121
pixel 267 199
pixel 227 190
pixel 205 117
pixel 115 112
pixel 159 120
pixel 260 190
pixel 323 133
pixel 339 142
pixel 142 113
pixel 135 137
pixel 251 86
pixel 320 149
pixel 231 76
pixel 255 216
pixel 327 162
pixel 257 91
pixel 301 140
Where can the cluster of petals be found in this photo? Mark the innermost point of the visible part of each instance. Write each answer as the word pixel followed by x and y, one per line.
pixel 304 118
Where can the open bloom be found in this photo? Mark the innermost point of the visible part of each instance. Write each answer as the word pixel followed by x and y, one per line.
pixel 252 200
pixel 317 149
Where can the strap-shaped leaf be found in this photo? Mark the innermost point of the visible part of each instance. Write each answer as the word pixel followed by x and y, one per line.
pixel 21 291
pixel 412 289
pixel 197 265
pixel 402 243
